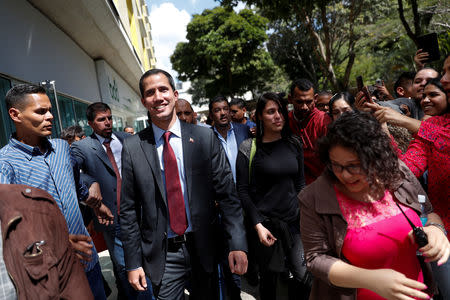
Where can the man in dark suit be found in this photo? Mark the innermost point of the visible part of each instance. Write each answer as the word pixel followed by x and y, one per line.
pixel 99 157
pixel 172 173
pixel 230 135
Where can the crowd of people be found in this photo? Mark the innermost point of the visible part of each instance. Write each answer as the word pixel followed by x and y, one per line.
pixel 340 196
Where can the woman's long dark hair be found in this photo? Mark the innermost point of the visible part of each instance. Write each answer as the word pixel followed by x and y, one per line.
pixel 260 105
pixel 361 133
pixel 346 96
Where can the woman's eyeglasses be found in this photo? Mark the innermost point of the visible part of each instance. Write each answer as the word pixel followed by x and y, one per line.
pixel 353 169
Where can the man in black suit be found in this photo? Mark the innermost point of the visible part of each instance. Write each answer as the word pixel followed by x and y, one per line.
pixel 172 173
pixel 99 158
pixel 230 135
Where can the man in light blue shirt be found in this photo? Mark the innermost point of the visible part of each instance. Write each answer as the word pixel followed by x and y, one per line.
pixel 230 134
pixel 32 159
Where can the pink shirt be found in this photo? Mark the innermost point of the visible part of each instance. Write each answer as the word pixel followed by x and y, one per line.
pixel 430 150
pixel 377 237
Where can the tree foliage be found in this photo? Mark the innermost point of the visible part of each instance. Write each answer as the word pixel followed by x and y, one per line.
pixel 333 41
pixel 225 54
pixel 388 50
pixel 330 27
pixel 289 47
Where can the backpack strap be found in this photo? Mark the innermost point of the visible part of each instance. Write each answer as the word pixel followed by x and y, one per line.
pixel 252 155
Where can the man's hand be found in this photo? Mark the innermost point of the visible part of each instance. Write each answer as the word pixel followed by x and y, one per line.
pixel 94 199
pixel 420 58
pixel 137 279
pixel 104 215
pixel 383 92
pixel 80 243
pixel 238 262
pixel 405 110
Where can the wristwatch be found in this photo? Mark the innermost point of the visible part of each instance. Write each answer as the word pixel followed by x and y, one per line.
pixel 440 226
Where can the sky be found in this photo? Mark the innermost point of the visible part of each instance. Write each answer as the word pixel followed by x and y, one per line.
pixel 169 19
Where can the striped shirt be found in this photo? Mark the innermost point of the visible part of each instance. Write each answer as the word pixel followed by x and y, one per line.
pixel 50 171
pixel 7 289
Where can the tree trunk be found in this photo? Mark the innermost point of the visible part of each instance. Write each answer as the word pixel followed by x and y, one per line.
pixel 321 51
pixel 355 10
pixel 405 23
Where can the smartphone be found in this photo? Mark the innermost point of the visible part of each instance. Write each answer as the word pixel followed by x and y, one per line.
pixel 359 82
pixel 362 88
pixel 429 43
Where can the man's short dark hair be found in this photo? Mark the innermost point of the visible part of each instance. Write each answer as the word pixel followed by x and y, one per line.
pixel 15 97
pixel 154 72
pixel 405 79
pixel 324 93
pixel 217 99
pixel 239 102
pixel 71 132
pixel 302 84
pixel 94 108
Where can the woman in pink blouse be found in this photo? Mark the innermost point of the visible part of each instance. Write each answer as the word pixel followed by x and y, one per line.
pixel 430 149
pixel 357 243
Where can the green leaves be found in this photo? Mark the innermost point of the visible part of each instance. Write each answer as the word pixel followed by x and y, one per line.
pixel 225 52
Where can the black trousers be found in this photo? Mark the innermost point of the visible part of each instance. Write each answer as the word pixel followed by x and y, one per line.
pixel 294 263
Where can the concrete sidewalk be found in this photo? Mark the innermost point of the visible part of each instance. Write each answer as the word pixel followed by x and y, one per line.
pixel 248 292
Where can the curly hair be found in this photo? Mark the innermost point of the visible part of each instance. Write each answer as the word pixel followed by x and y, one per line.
pixel 362 133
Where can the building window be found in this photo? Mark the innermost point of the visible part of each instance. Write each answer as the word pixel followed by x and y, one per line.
pixel 80 115
pixel 117 123
pixel 7 125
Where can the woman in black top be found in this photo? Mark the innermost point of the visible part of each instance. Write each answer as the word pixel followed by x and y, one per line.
pixel 269 175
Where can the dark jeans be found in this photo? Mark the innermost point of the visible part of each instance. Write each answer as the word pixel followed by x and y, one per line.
pixel 294 262
pixel 115 249
pixel 95 280
pixel 441 275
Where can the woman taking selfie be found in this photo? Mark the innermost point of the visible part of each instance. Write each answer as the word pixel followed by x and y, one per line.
pixel 358 244
pixel 340 103
pixel 269 175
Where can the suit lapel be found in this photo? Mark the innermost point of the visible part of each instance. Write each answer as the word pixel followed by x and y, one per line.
pixel 188 147
pixel 148 145
pixel 238 134
pixel 100 152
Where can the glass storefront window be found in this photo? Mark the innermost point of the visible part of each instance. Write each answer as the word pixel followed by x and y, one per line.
pixel 7 124
pixel 80 114
pixel 117 123
pixel 66 110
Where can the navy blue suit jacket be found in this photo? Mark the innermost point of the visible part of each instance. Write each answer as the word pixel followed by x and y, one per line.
pixel 95 165
pixel 241 132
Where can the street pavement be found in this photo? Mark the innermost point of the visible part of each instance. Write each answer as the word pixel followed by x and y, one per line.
pixel 248 292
